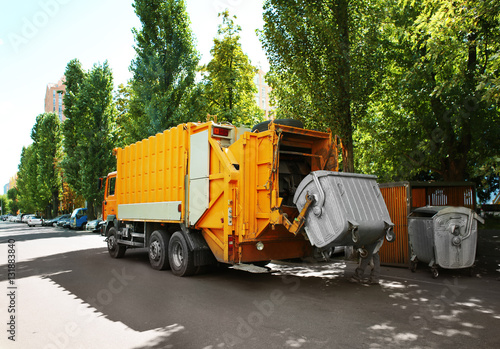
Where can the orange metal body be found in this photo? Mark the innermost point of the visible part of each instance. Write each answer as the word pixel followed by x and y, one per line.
pixel 402 197
pixel 247 175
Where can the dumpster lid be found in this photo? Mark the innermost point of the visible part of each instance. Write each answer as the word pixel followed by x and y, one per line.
pixel 427 211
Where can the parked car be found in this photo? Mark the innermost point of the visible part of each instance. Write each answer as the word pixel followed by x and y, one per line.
pixel 53 221
pixel 26 217
pixel 94 225
pixel 78 218
pixel 12 218
pixel 34 220
pixel 63 221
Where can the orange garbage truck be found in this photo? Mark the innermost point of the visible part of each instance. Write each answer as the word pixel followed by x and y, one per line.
pixel 205 193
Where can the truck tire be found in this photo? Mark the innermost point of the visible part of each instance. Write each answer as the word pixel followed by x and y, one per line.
pixel 263 126
pixel 180 257
pixel 114 248
pixel 158 250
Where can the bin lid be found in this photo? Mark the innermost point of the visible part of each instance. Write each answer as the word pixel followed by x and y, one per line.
pixel 430 211
pixel 427 211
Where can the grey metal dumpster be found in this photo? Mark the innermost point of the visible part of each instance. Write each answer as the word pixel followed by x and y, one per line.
pixel 443 236
pixel 348 209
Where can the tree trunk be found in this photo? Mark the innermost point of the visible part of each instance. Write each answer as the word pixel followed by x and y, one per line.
pixel 455 166
pixel 55 203
pixel 344 86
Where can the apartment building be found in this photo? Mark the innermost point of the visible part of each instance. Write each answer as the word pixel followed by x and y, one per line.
pixel 262 95
pixel 54 98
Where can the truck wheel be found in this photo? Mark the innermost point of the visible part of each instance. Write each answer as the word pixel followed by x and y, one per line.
pixel 263 126
pixel 180 257
pixel 158 250
pixel 114 248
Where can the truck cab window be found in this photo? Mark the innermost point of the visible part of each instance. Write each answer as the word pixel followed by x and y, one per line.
pixel 111 186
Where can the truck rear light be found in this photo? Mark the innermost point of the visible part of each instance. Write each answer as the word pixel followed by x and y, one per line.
pixel 179 208
pixel 220 131
pixel 230 244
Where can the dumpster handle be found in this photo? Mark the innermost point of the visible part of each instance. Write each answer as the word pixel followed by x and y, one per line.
pixel 317 209
pixel 472 215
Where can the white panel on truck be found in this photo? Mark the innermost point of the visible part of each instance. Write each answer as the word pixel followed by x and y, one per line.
pixel 168 211
pixel 199 160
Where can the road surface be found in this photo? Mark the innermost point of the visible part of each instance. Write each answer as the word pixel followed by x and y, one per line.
pixel 68 293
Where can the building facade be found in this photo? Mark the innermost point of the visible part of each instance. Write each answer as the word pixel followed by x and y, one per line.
pixel 10 185
pixel 262 95
pixel 54 98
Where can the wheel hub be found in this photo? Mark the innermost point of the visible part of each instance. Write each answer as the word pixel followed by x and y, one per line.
pixel 111 242
pixel 155 250
pixel 177 256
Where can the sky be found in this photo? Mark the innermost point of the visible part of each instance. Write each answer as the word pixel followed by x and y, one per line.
pixel 39 37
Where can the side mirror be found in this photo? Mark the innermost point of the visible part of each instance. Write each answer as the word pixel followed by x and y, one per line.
pixel 100 183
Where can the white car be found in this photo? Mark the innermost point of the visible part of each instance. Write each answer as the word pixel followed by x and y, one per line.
pixel 35 220
pixel 25 217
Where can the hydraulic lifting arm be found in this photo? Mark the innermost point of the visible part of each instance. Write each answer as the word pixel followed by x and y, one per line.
pixel 299 221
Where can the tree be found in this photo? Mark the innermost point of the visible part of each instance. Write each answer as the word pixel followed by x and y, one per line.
pixel 91 132
pixel 165 66
pixel 130 117
pixel 324 58
pixel 39 177
pixel 12 195
pixel 229 86
pixel 97 131
pixel 48 154
pixel 26 180
pixel 74 75
pixel 4 204
pixel 430 119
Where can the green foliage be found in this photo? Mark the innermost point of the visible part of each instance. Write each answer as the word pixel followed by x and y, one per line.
pixel 48 149
pixel 431 118
pixel 229 87
pixel 324 57
pixel 13 201
pixel 26 180
pixel 4 204
pixel 91 130
pixel 96 131
pixel 71 162
pixel 39 177
pixel 164 68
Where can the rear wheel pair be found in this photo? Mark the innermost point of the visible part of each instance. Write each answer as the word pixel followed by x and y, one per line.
pixel 165 251
pixel 171 252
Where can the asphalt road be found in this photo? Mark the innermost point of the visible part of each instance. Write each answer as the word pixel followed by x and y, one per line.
pixel 68 293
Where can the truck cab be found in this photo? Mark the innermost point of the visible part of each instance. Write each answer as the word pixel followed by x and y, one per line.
pixel 78 218
pixel 109 209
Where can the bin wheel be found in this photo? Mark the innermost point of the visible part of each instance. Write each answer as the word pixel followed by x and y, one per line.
pixel 435 273
pixel 362 252
pixel 472 271
pixel 413 266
